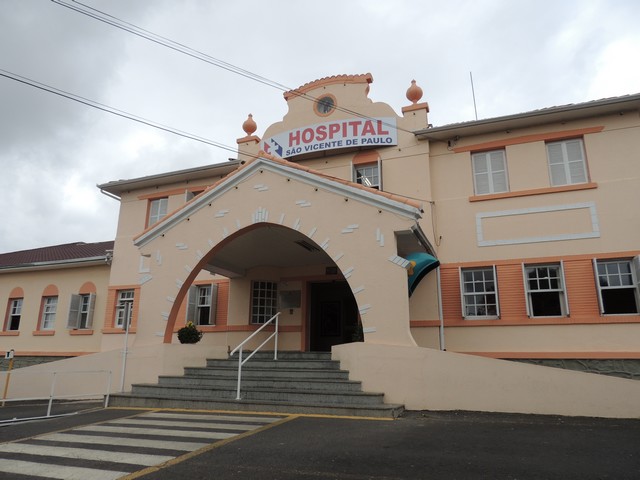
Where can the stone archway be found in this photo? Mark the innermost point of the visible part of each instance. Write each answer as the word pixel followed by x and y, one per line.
pixel 355 227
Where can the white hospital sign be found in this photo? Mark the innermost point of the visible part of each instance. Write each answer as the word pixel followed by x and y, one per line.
pixel 355 132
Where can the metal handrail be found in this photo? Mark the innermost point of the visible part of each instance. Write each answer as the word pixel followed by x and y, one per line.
pixel 240 347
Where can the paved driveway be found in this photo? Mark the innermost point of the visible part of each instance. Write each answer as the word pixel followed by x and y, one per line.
pixel 420 445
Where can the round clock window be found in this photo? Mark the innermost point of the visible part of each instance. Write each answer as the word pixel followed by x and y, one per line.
pixel 325 105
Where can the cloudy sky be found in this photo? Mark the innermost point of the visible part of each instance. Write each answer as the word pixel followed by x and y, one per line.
pixel 524 55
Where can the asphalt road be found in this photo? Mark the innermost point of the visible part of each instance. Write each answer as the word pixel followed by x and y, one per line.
pixel 420 445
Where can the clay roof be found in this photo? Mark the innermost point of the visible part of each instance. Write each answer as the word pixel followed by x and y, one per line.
pixel 58 253
pixel 364 78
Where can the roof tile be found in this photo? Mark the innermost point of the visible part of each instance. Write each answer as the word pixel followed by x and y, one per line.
pixel 56 253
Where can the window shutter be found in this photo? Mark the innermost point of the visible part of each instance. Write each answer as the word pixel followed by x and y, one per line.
pixel 495 284
pixel 73 321
pixel 598 287
pixel 461 279
pixel 635 264
pixel 564 289
pixel 214 304
pixel 499 172
pixel 481 173
pixel 556 164
pixel 92 305
pixel 191 304
pixel 526 290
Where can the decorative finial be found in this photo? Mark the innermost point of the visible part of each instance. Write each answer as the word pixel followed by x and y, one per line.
pixel 414 93
pixel 249 126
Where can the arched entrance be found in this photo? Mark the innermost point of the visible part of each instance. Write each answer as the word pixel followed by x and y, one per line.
pixel 274 221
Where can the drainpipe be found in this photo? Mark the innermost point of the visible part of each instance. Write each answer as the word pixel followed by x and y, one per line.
pixel 125 350
pixel 440 316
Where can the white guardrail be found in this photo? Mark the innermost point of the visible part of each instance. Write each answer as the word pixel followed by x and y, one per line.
pixel 45 385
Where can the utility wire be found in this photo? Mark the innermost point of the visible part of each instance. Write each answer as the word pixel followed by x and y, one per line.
pixel 176 46
pixel 115 111
pixel 120 113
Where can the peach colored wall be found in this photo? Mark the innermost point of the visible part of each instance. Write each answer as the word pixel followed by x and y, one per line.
pixel 60 340
pixel 590 341
pixel 435 380
pixel 88 376
pixel 613 171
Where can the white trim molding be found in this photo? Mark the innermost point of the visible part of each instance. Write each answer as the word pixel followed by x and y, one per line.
pixel 591 206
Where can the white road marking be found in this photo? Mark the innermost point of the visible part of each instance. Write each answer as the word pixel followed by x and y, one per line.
pixel 124 432
pixel 57 471
pixel 125 442
pixel 214 417
pixel 170 423
pixel 155 431
pixel 85 454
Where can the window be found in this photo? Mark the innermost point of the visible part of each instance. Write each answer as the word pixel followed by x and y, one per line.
pixel 490 172
pixel 264 297
pixel 202 304
pixel 49 307
pixel 368 175
pixel 15 312
pixel 190 195
pixel 479 293
pixel 124 308
pixel 81 311
pixel 617 288
pixel 157 210
pixel 567 164
pixel 544 286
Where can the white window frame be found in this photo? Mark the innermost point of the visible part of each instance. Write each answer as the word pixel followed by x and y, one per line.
pixel 15 313
pixel 49 309
pixel 359 176
pixel 81 309
pixel 569 168
pixel 202 296
pixel 491 173
pixel 124 308
pixel 157 210
pixel 464 295
pixel 561 289
pixel 634 274
pixel 264 301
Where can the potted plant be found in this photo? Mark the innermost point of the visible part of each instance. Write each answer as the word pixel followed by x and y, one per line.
pixel 189 334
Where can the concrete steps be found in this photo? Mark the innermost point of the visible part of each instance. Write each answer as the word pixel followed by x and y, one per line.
pixel 298 382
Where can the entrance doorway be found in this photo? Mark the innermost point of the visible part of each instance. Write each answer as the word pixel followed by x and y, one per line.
pixel 333 318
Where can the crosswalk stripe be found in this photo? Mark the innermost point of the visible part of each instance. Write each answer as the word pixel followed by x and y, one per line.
pixel 91 444
pixel 125 442
pixel 170 423
pixel 155 431
pixel 231 418
pixel 58 471
pixel 84 454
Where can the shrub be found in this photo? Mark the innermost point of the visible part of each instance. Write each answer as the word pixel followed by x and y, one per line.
pixel 189 334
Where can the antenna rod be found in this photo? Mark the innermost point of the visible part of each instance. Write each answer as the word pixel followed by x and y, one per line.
pixel 474 95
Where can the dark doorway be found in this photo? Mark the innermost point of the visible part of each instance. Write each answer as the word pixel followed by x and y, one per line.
pixel 333 316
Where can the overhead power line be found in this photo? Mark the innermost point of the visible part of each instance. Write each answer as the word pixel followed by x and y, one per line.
pixel 115 111
pixel 176 46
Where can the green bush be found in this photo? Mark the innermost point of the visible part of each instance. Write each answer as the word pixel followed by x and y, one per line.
pixel 189 334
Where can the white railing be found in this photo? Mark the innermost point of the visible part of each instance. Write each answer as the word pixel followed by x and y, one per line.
pixel 52 395
pixel 240 347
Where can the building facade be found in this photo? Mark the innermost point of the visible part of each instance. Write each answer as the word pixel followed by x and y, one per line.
pixel 515 237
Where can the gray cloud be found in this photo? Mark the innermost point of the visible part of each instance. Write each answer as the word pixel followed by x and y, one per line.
pixel 524 55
